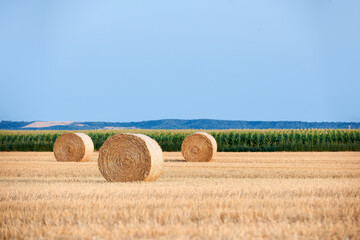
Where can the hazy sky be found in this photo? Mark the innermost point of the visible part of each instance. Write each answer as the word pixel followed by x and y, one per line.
pixel 141 60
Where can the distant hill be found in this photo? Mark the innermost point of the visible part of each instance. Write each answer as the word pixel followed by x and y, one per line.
pixel 175 124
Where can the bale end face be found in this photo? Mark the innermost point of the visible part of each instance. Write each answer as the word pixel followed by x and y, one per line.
pixel 199 147
pixel 127 157
pixel 73 147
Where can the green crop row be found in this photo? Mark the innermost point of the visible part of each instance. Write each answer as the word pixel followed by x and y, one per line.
pixel 227 140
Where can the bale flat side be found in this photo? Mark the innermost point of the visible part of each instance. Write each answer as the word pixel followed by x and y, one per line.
pixel 69 147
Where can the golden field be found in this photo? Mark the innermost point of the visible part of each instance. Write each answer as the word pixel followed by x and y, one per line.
pixel 281 195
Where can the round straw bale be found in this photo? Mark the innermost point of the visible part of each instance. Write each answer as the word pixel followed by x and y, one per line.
pixel 73 147
pixel 199 147
pixel 127 157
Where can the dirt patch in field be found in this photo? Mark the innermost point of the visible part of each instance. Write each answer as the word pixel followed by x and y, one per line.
pixel 47 124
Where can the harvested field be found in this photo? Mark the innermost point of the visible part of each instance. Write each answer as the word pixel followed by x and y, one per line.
pixel 278 195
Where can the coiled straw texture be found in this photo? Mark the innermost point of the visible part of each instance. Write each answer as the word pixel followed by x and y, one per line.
pixel 199 147
pixel 73 147
pixel 127 157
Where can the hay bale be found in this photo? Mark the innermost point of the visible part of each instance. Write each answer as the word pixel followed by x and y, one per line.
pixel 73 147
pixel 127 157
pixel 199 147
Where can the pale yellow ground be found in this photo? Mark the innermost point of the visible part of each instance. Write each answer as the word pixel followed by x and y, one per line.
pixel 237 196
pixel 46 124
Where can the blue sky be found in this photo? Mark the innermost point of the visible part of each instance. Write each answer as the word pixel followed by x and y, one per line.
pixel 141 60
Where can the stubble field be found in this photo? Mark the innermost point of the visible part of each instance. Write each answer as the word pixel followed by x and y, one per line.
pixel 281 195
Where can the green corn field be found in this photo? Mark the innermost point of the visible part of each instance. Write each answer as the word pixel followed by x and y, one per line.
pixel 227 140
